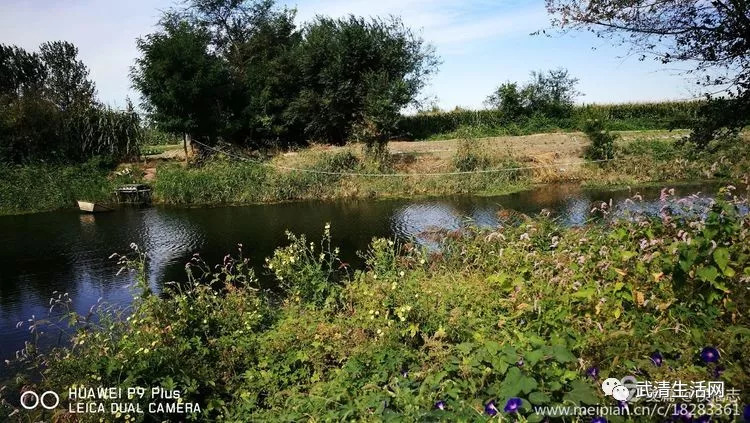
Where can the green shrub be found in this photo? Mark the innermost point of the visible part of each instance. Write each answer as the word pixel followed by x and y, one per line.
pixel 40 187
pixel 470 154
pixel 602 141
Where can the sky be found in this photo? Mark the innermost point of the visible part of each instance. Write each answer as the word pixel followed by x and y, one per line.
pixel 482 43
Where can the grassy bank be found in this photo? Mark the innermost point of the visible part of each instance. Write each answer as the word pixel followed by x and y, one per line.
pixel 495 323
pixel 33 188
pixel 641 157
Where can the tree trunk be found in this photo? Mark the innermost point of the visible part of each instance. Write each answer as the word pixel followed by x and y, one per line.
pixel 184 145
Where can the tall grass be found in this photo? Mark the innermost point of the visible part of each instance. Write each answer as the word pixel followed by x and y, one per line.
pixel 34 188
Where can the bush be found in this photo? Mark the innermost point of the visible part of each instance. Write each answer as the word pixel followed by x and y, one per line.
pixel 470 154
pixel 602 141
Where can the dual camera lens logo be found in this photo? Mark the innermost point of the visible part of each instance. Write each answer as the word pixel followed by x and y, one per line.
pixel 31 400
pixel 621 390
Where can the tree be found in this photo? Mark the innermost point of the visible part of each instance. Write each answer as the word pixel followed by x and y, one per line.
pixel 712 37
pixel 20 71
pixel 240 73
pixel 551 93
pixel 66 83
pixel 184 84
pixel 507 98
pixel 358 73
pixel 48 109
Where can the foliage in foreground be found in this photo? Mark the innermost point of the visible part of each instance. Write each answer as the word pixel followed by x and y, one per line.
pixel 525 314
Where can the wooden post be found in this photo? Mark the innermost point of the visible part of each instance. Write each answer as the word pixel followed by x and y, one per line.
pixel 184 145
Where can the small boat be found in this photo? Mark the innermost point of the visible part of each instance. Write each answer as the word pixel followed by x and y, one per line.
pixel 92 207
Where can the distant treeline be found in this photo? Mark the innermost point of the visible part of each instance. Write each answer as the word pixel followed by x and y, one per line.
pixel 49 113
pixel 629 116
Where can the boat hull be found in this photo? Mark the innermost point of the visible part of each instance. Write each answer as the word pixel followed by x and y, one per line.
pixel 90 207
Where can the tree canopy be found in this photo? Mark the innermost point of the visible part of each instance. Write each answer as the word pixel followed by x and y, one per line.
pixel 272 83
pixel 551 93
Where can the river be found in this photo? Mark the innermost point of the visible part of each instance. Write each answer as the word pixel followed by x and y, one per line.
pixel 67 251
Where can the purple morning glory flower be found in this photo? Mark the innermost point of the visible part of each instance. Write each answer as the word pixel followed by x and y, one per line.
pixel 657 358
pixel 710 355
pixel 703 419
pixel 490 408
pixel 623 405
pixel 599 420
pixel 592 372
pixel 512 405
pixel 440 405
pixel 746 412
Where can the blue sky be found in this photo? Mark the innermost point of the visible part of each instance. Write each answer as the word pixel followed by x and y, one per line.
pixel 481 43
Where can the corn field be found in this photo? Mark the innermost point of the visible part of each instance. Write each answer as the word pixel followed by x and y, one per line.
pixel 628 116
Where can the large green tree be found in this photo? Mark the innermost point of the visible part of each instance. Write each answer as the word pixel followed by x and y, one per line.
pixel 358 72
pixel 184 83
pixel 67 78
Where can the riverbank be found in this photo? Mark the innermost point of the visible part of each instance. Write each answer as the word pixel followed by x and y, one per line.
pixel 496 165
pixel 455 334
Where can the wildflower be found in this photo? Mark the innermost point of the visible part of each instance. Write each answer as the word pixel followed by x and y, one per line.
pixel 490 408
pixel 710 355
pixel 440 405
pixel 703 419
pixel 657 358
pixel 520 362
pixel 599 420
pixel 746 412
pixel 512 405
pixel 592 372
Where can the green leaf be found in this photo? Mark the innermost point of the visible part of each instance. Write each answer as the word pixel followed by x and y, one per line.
pixel 721 257
pixel 708 273
pixel 515 383
pixel 581 392
pixel 562 355
pixel 627 255
pixel 532 357
pixel 537 398
pixel 585 293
